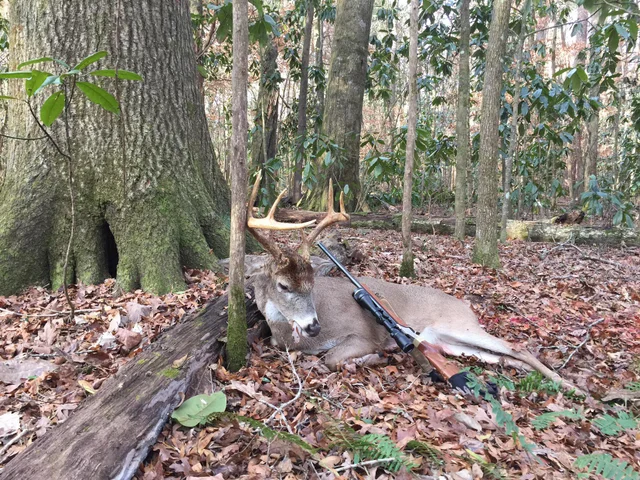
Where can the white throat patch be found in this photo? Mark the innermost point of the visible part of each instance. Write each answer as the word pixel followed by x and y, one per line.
pixel 272 313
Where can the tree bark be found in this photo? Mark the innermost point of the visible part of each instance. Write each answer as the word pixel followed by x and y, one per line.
pixel 406 269
pixel 320 66
pixel 462 121
pixel 302 103
pixel 486 246
pixel 112 432
pixel 146 182
pixel 515 116
pixel 593 129
pixel 342 118
pixel 237 335
pixel 264 142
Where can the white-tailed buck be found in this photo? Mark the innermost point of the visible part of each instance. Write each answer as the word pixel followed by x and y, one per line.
pixel 318 314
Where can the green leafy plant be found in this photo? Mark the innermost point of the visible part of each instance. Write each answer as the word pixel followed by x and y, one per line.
pixel 536 382
pixel 489 470
pixel 371 446
pixel 424 449
pixel 546 419
pixel 633 386
pixel 197 410
pixel 604 464
pixel 610 425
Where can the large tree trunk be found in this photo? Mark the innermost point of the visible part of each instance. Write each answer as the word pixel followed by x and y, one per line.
pixel 264 143
pixel 462 121
pixel 406 269
pixel 302 103
pixel 146 182
pixel 112 432
pixel 515 116
pixel 344 98
pixel 486 247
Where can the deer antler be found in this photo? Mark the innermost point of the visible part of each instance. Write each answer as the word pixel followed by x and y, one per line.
pixel 269 222
pixel 330 218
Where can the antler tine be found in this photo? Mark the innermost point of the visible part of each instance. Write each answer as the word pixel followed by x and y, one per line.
pixel 330 218
pixel 269 222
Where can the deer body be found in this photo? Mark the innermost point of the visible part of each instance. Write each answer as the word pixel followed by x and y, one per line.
pixel 318 314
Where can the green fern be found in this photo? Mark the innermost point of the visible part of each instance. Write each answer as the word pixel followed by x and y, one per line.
pixel 604 464
pixel 609 425
pixel 633 386
pixel 372 446
pixel 426 450
pixel 490 470
pixel 503 418
pixel 266 431
pixel 546 419
pixel 536 382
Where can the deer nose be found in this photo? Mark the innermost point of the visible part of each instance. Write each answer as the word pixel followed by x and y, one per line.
pixel 313 328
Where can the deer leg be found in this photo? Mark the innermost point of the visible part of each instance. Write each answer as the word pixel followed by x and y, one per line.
pixel 353 346
pixel 482 344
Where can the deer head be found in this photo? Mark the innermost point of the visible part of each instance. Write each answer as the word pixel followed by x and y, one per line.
pixel 284 288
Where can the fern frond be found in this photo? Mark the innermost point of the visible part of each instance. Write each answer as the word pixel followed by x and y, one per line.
pixel 633 386
pixel 609 425
pixel 266 431
pixel 372 446
pixel 426 450
pixel 604 464
pixel 546 419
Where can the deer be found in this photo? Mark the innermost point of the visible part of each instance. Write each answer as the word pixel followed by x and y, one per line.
pixel 317 315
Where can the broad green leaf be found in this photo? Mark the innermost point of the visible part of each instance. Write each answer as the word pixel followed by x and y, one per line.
pixel 123 74
pixel 20 74
pixel 31 62
pixel 93 58
pixel 197 409
pixel 50 80
pixel 100 96
pixel 35 82
pixel 52 108
pixel 582 74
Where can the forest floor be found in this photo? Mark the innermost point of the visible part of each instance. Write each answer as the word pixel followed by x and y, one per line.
pixel 577 309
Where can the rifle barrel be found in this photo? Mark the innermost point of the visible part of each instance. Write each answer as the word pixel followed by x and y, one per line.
pixel 339 265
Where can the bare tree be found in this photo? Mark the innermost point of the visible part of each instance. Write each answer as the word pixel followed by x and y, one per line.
pixel 515 116
pixel 486 246
pixel 302 102
pixel 237 330
pixel 462 121
pixel 406 268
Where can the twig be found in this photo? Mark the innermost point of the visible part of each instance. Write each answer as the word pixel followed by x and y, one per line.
pixel 11 442
pixel 591 325
pixel 57 314
pixel 12 137
pixel 564 24
pixel 281 408
pixel 368 463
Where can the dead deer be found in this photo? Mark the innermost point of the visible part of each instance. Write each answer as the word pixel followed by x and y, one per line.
pixel 318 314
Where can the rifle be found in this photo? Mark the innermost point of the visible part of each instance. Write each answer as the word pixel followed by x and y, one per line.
pixel 426 355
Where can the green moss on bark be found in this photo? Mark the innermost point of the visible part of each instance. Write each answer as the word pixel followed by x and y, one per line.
pixel 237 330
pixel 406 267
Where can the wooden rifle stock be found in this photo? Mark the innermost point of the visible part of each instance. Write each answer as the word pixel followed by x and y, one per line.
pixel 423 349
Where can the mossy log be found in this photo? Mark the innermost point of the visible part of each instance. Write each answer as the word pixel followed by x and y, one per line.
pixel 579 234
pixel 534 231
pixel 111 433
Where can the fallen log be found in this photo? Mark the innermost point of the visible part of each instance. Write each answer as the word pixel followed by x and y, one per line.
pixel 111 433
pixel 533 231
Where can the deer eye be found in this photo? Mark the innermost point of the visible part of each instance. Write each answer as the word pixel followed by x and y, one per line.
pixel 282 287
